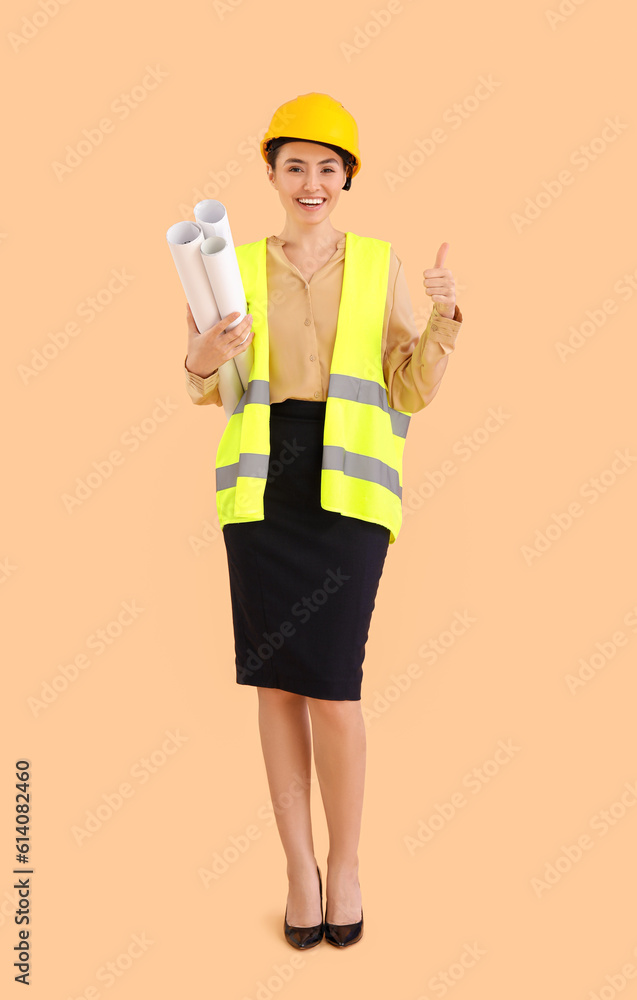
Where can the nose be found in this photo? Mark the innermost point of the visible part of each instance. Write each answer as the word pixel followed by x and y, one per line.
pixel 313 182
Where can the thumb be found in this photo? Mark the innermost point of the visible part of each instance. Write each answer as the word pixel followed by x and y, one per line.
pixel 442 253
pixel 190 319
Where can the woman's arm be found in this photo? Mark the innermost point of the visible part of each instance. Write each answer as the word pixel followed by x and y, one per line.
pixel 414 364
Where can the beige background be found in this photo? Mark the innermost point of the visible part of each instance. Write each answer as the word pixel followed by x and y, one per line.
pixel 464 549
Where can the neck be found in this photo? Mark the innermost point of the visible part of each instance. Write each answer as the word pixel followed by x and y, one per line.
pixel 309 238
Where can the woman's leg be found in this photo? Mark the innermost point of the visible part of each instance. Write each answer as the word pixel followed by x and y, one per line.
pixel 284 727
pixel 338 730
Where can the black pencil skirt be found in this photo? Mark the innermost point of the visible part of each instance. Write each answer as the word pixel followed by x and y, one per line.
pixel 303 580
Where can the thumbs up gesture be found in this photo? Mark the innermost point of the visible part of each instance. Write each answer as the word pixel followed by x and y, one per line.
pixel 440 285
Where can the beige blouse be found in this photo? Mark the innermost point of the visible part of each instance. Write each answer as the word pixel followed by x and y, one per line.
pixel 302 327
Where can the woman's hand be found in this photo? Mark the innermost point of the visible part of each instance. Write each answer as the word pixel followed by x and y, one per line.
pixel 440 285
pixel 209 350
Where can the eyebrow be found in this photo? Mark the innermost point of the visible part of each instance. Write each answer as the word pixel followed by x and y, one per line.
pixel 295 159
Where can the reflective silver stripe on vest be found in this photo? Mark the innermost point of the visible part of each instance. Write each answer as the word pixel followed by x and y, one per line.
pixel 250 464
pixel 361 467
pixel 364 390
pixel 258 391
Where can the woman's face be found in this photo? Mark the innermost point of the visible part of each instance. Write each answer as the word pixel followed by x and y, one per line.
pixel 306 170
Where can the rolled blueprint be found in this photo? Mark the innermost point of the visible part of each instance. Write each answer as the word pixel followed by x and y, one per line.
pixel 211 215
pixel 223 271
pixel 185 240
pixel 220 262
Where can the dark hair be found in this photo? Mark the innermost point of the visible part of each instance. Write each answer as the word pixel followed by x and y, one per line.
pixel 274 146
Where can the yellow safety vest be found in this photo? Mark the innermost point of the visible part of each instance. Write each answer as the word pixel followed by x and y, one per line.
pixel 364 437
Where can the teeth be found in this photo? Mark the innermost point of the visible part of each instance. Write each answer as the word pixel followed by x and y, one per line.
pixel 311 201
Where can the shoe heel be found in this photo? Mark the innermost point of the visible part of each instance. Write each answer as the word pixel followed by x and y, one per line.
pixel 305 937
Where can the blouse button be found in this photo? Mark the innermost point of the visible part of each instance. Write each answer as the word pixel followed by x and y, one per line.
pixel 317 394
pixel 311 357
pixel 307 322
pixel 433 326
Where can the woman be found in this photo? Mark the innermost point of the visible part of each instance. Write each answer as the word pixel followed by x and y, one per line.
pixel 342 366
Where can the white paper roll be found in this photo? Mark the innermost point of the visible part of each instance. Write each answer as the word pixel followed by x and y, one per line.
pixel 225 275
pixel 222 267
pixel 185 240
pixel 211 215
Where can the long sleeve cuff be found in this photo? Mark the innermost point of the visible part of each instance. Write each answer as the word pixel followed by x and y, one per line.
pixel 197 386
pixel 415 380
pixel 441 330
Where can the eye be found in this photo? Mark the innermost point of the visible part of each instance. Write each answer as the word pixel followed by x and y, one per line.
pixel 298 168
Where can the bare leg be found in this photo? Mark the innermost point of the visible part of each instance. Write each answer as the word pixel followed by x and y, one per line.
pixel 284 727
pixel 340 746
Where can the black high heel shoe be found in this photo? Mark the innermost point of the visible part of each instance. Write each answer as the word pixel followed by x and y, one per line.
pixel 343 935
pixel 305 937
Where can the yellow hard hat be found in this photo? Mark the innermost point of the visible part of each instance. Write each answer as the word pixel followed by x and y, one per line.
pixel 315 118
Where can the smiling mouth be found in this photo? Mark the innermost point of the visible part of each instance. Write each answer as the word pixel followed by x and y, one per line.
pixel 313 203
